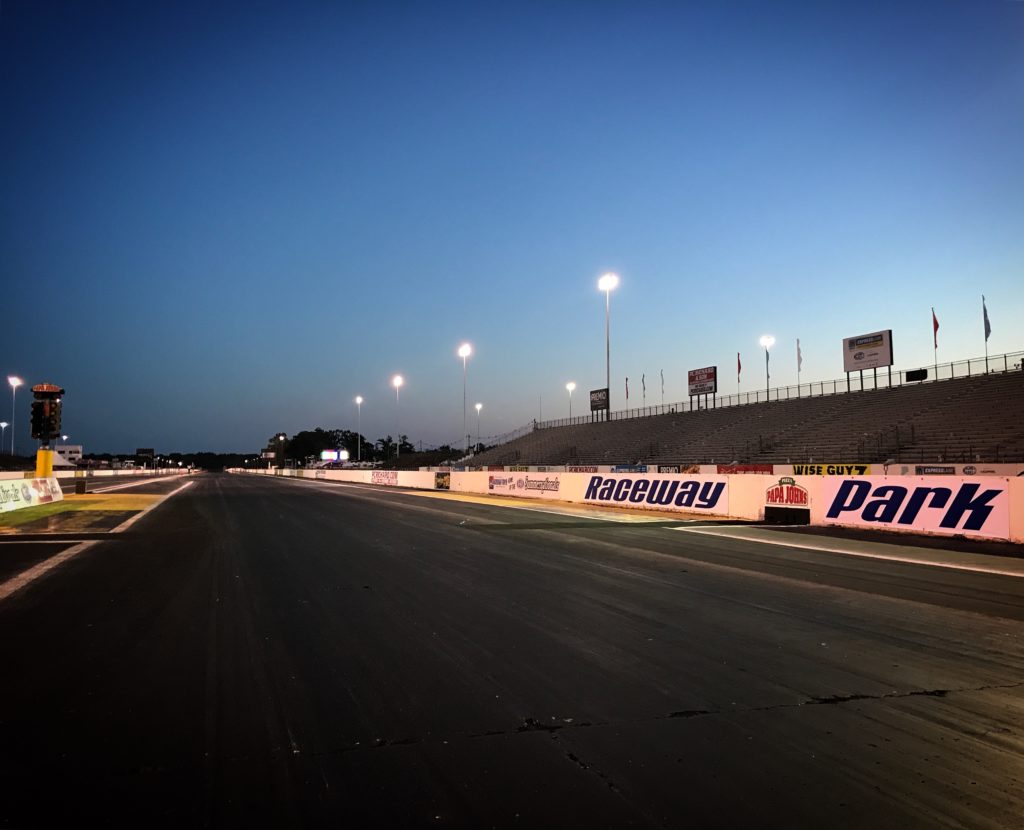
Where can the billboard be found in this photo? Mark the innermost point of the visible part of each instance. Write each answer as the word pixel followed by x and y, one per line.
pixel 328 455
pixel 702 381
pixel 868 351
pixel 598 399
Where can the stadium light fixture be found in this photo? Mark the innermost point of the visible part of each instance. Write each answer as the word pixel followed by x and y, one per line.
pixel 571 385
pixel 15 382
pixel 607 284
pixel 359 428
pixel 465 350
pixel 397 382
pixel 479 406
pixel 3 433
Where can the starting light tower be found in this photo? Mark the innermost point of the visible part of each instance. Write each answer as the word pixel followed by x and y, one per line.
pixel 45 424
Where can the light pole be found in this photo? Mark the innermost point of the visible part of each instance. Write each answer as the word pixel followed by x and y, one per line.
pixel 767 341
pixel 397 382
pixel 606 284
pixel 359 429
pixel 479 406
pixel 3 433
pixel 570 386
pixel 465 350
pixel 15 383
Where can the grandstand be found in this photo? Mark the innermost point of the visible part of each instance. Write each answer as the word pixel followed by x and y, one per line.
pixel 966 420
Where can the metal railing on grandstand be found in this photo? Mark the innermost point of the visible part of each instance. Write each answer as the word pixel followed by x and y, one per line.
pixel 853 382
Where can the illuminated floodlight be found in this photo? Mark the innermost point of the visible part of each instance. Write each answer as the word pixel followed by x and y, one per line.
pixel 15 382
pixel 359 400
pixel 397 381
pixel 465 350
pixel 479 406
pixel 608 282
pixel 767 341
pixel 571 387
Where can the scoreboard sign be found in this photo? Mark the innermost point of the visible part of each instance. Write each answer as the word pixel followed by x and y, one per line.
pixel 703 381
pixel 867 351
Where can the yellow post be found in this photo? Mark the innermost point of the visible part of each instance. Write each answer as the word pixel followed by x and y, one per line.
pixel 44 463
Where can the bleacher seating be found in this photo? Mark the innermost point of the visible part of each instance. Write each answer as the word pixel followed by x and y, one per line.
pixel 966 420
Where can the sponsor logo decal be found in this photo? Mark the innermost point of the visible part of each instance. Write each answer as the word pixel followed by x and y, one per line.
pixel 384 477
pixel 966 507
pixel 505 482
pixel 663 492
pixel 539 484
pixel 666 468
pixel 581 469
pixel 969 470
pixel 831 469
pixel 629 468
pixel 787 493
pixel 934 470
pixel 725 469
pixel 443 481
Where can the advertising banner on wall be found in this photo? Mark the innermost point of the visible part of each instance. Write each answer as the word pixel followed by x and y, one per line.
pixel 28 492
pixel 702 381
pixel 933 504
pixel 704 494
pixel 867 351
pixel 598 399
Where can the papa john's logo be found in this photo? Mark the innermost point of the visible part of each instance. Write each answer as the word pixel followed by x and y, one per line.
pixel 786 493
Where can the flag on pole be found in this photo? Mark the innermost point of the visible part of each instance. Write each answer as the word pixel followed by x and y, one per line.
pixel 799 356
pixel 739 367
pixel 643 382
pixel 663 383
pixel 984 311
pixel 935 327
pixel 627 389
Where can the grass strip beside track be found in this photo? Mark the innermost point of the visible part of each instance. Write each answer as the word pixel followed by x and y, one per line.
pixel 119 503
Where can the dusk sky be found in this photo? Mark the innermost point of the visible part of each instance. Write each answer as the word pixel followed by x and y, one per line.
pixel 222 220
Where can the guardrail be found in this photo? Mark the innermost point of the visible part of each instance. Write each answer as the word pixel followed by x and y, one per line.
pixel 859 382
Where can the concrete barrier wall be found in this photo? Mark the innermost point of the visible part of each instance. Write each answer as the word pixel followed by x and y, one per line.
pixel 979 506
pixel 62 474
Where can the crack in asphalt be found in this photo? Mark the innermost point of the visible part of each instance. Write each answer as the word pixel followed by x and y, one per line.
pixel 557 725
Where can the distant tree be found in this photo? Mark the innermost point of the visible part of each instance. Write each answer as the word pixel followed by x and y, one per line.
pixel 386 447
pixel 405 446
pixel 311 443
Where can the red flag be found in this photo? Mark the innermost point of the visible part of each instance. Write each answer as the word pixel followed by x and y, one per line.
pixel 935 327
pixel 739 366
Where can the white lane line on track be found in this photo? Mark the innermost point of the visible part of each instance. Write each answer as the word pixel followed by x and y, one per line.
pixel 481 499
pixel 125 525
pixel 16 583
pixel 20 540
pixel 130 484
pixel 906 560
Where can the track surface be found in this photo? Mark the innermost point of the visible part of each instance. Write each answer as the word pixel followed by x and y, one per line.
pixel 271 653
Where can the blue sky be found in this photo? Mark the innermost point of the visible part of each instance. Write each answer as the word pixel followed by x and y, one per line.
pixel 219 221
